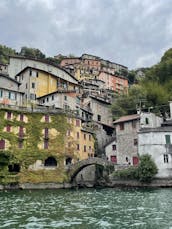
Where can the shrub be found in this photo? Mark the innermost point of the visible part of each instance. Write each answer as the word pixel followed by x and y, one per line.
pixel 147 168
pixel 128 173
pixel 145 171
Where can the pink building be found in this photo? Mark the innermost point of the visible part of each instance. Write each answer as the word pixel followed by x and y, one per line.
pixel 69 61
pixel 113 82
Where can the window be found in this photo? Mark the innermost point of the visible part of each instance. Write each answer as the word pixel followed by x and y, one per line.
pixel 146 120
pixel 30 72
pixel 113 147
pixel 46 144
pixel 46 118
pixel 1 93
pixel 165 158
pixel 8 128
pixel 68 133
pixel 26 85
pixel 65 98
pixel 89 137
pixel 20 144
pixel 90 149
pixel 121 126
pixel 21 117
pixel 21 131
pixel 85 148
pixel 33 85
pixel 8 115
pixel 85 136
pixel 98 118
pixel 52 97
pixel 46 132
pixel 77 122
pixel 12 95
pixel 113 159
pixel 77 134
pixel 133 124
pixel 135 142
pixel 167 139
pixel 32 96
pixel 37 74
pixel 47 99
pixel 77 147
pixel 2 144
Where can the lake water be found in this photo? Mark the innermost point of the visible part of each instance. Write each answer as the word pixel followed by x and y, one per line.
pixel 87 208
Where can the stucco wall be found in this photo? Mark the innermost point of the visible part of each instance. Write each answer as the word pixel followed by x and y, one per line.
pixel 154 143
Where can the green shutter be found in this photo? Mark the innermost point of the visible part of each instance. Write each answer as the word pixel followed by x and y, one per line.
pixel 167 139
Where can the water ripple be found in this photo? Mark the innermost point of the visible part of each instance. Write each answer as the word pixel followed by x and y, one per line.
pixel 84 209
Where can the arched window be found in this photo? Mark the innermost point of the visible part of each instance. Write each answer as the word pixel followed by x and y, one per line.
pixel 50 161
pixel 14 168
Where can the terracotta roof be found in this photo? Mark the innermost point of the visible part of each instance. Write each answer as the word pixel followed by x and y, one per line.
pixel 127 118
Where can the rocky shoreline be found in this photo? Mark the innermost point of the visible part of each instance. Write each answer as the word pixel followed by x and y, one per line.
pixel 156 183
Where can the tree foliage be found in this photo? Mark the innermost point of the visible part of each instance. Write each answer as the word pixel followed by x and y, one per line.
pixel 147 168
pixel 4 53
pixel 154 90
pixel 32 52
pixel 145 171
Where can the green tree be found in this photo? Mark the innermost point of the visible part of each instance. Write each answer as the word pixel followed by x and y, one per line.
pixel 4 53
pixel 147 168
pixel 32 52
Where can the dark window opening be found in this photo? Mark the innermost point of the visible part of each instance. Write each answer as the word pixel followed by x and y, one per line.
pixel 2 144
pixel 33 85
pixel 113 147
pixel 99 118
pixel 46 133
pixel 135 142
pixel 21 132
pixel 14 168
pixel 8 115
pixel 133 124
pixel 50 161
pixel 165 158
pixel 21 117
pixel 121 126
pixel 68 160
pixel 46 144
pixel 147 120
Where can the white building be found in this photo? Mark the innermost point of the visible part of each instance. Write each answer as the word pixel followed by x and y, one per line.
pixel 127 128
pixel 9 91
pixel 157 142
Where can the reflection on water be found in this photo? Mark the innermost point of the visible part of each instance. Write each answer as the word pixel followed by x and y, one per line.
pixel 89 208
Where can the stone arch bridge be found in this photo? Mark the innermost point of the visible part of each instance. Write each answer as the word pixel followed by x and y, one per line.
pixel 74 169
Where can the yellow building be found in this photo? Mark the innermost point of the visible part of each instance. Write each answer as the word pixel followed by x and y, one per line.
pixel 33 142
pixel 36 83
pixel 80 140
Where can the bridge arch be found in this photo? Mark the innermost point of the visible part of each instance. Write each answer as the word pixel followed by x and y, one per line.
pixel 77 167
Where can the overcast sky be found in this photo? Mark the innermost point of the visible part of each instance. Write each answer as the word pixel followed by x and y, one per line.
pixel 134 33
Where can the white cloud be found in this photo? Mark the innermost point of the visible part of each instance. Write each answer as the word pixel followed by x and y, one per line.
pixel 132 32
